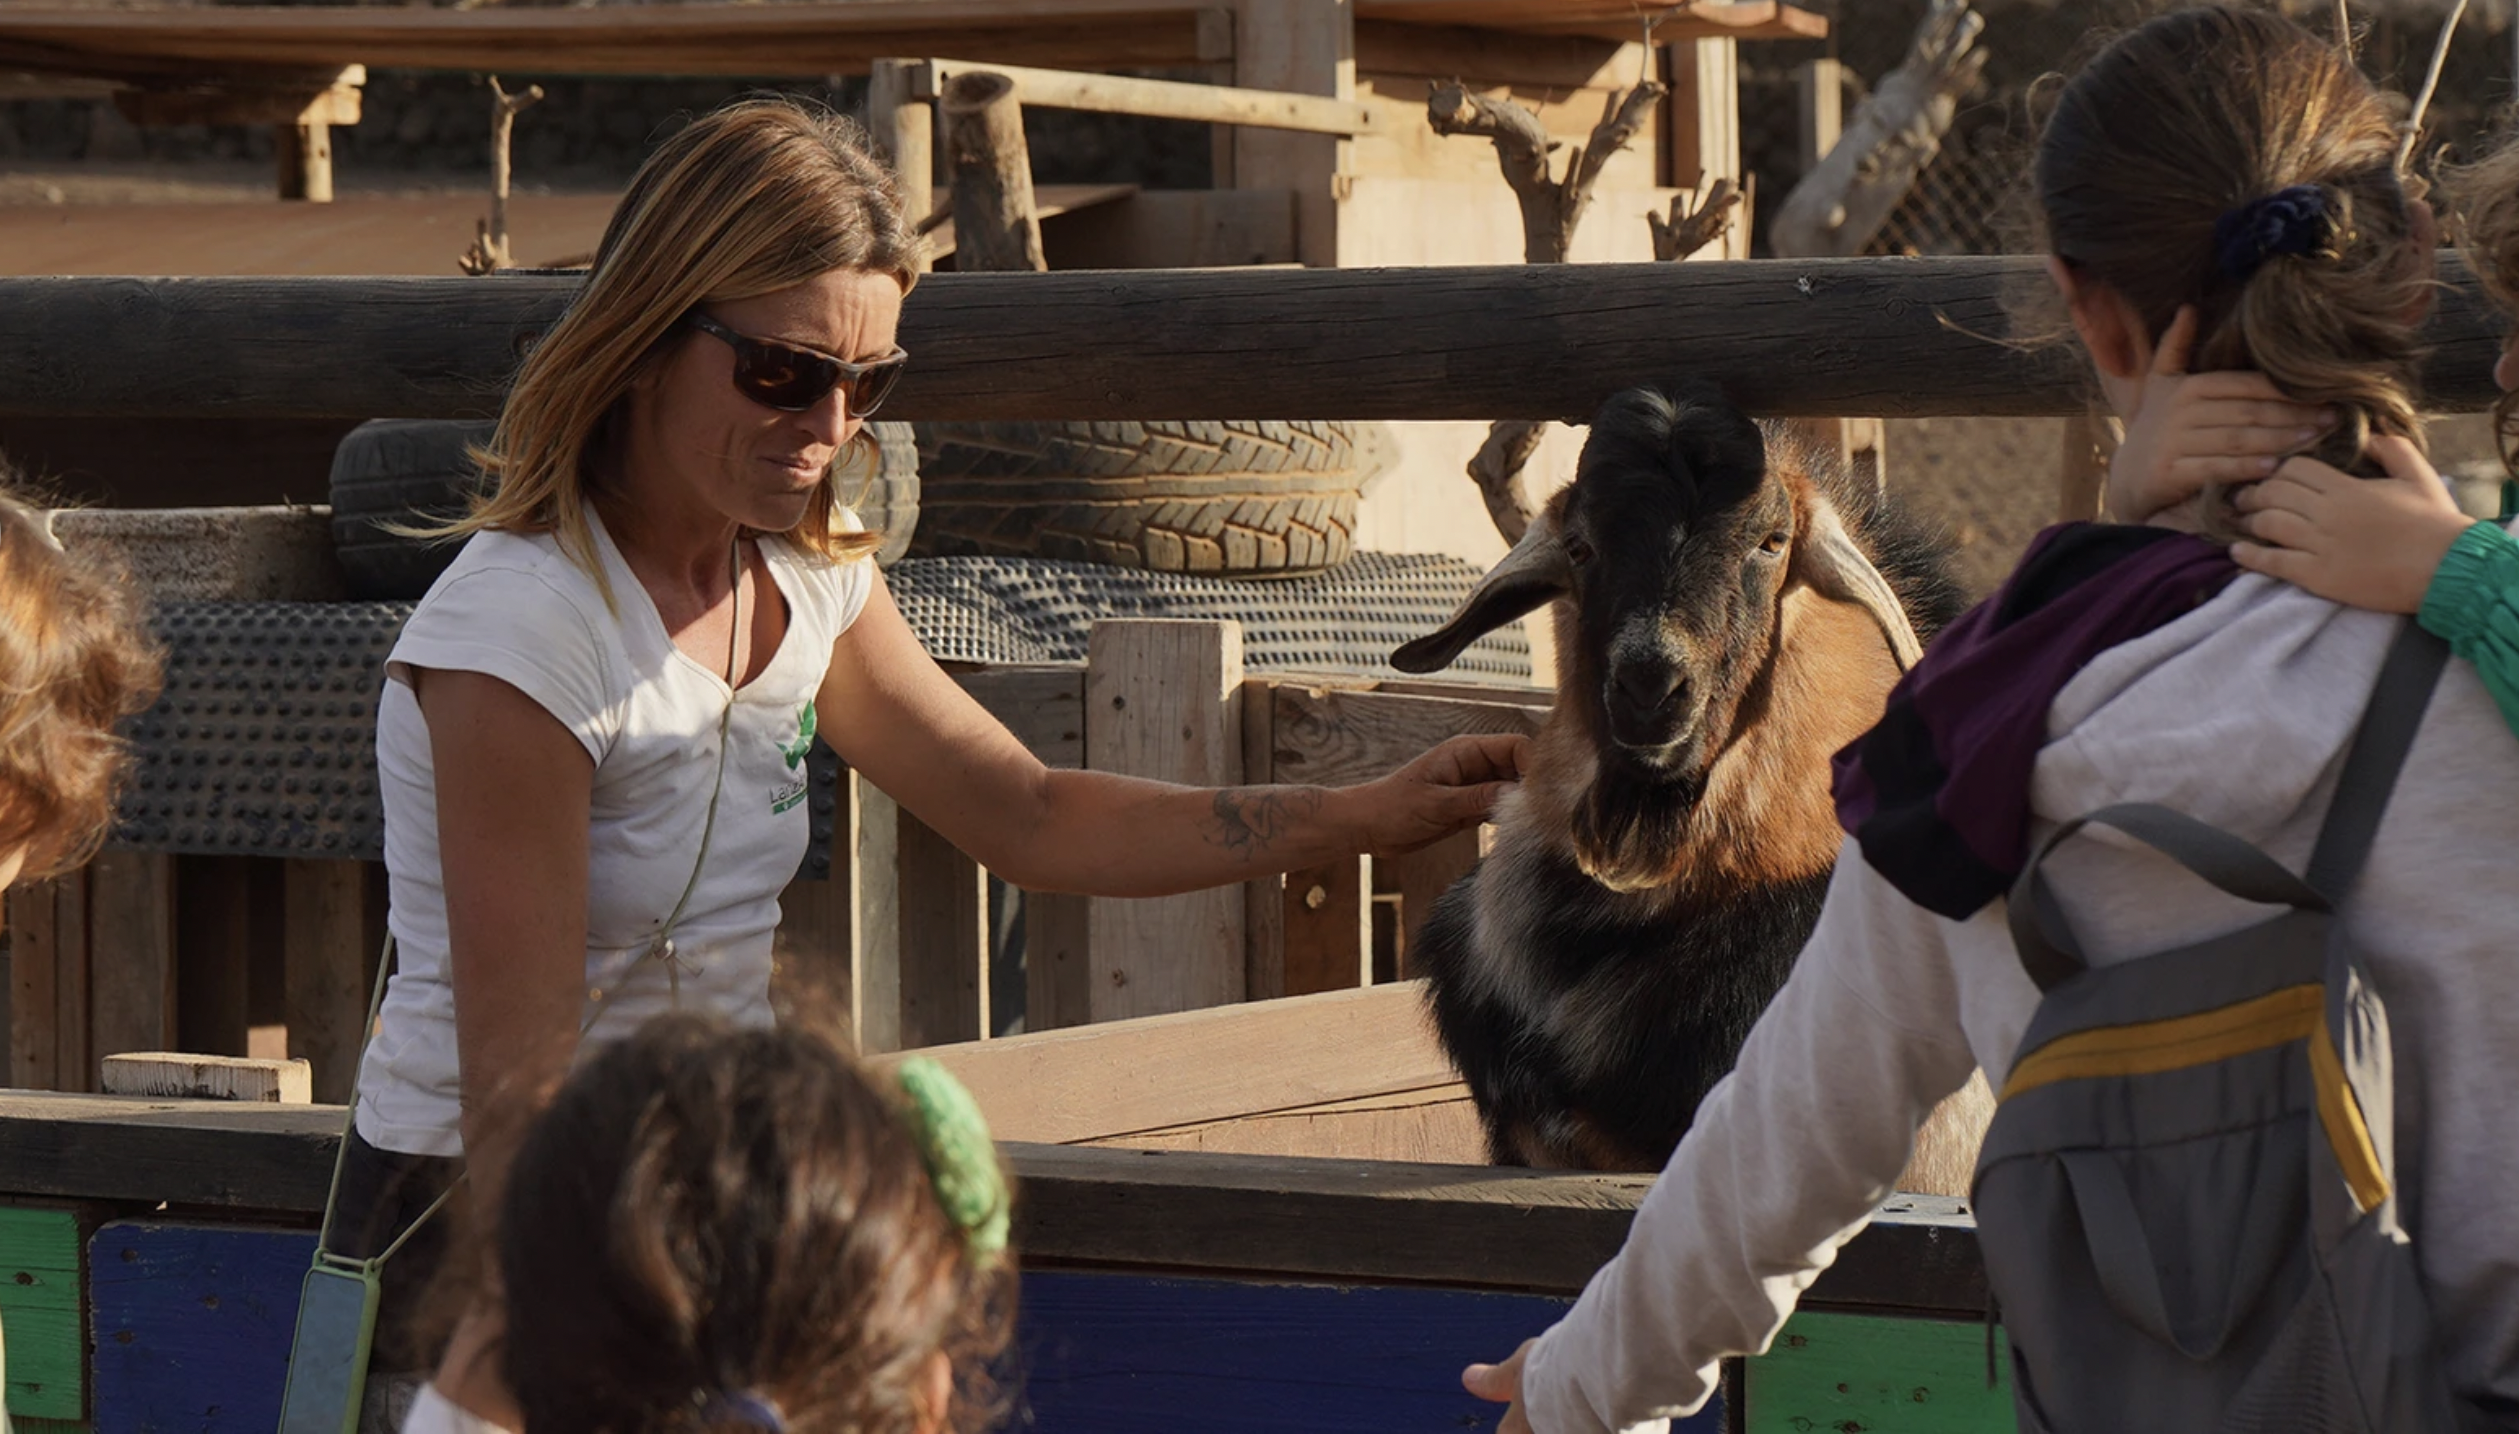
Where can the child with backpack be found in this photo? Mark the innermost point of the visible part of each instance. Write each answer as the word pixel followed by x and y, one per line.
pixel 2222 725
pixel 2397 544
pixel 714 1229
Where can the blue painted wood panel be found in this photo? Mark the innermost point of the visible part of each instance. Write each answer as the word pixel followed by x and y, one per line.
pixel 1121 1354
pixel 192 1325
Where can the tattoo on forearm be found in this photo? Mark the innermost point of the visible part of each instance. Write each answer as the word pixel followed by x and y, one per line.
pixel 1247 820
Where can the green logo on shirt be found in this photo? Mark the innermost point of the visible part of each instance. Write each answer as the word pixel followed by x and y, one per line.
pixel 796 751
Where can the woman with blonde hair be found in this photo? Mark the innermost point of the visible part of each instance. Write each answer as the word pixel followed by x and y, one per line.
pixel 591 744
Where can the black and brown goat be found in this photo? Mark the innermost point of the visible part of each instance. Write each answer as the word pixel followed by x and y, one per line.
pixel 1730 610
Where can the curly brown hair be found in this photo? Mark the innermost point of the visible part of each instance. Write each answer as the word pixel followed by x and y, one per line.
pixel 703 1211
pixel 75 659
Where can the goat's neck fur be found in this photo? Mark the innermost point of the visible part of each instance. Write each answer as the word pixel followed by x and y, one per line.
pixel 1766 814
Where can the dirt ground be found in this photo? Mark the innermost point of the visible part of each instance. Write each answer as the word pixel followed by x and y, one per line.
pixel 1992 481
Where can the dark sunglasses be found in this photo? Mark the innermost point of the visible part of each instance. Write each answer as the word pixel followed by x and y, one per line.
pixel 793 379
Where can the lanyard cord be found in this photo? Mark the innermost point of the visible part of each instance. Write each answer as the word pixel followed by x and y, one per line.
pixel 662 947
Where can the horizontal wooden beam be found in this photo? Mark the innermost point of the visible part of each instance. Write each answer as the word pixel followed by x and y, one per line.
pixel 1188 1212
pixel 1861 337
pixel 327 99
pixel 1157 99
pixel 231 42
pixel 1612 19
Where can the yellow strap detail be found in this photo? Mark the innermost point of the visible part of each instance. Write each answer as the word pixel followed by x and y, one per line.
pixel 2151 1047
pixel 2340 1111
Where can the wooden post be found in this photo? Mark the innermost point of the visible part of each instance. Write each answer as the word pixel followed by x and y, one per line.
pixel 214 954
pixel 329 965
pixel 904 131
pixel 1057 971
pixel 1328 917
pixel 994 227
pixel 1263 899
pixel 305 155
pixel 131 953
pixel 2090 441
pixel 1162 700
pixel 1422 877
pixel 1703 129
pixel 944 940
pixel 1822 84
pixel 878 1012
pixel 34 1002
pixel 1304 47
pixel 816 949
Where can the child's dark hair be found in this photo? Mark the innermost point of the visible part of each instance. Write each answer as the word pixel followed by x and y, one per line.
pixel 707 1221
pixel 2194 122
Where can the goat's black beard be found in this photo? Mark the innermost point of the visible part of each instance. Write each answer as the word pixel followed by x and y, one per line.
pixel 1631 828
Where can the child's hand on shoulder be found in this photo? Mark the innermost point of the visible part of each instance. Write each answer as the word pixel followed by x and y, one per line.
pixel 2195 429
pixel 2364 542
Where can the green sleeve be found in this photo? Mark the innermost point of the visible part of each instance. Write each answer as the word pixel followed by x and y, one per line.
pixel 2473 604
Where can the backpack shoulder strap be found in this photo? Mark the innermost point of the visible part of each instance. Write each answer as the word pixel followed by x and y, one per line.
pixel 2398 700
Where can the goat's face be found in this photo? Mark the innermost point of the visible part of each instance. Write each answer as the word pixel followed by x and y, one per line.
pixel 1674 549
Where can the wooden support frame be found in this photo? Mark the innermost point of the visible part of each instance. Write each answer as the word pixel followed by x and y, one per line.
pixel 1155 99
pixel 333 935
pixel 324 98
pixel 1163 699
pixel 1298 47
pixel 904 129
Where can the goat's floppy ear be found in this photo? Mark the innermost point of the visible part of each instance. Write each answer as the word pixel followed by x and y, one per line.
pixel 1535 572
pixel 1827 560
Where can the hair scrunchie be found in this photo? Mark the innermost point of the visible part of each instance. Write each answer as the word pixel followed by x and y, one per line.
pixel 2288 221
pixel 961 1160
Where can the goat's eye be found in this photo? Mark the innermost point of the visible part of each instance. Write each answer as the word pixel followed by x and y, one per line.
pixel 1775 542
pixel 1578 552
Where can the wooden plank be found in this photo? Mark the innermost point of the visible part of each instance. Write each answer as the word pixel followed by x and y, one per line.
pixel 1328 918
pixel 879 820
pixel 1423 876
pixel 1176 229
pixel 1044 707
pixel 1438 1125
pixel 1865 337
pixel 1158 99
pixel 1611 19
pixel 332 99
pixel 43 1306
pixel 73 1020
pixel 1530 64
pixel 34 1012
pixel 328 968
pixel 816 40
pixel 1348 1219
pixel 1701 116
pixel 1820 86
pixel 175 1073
pixel 1057 968
pixel 1848 1371
pixel 1121 1354
pixel 1163 701
pixel 192 1323
pixel 1305 47
pixel 131 952
pixel 944 940
pixel 214 953
pixel 1334 738
pixel 1263 899
pixel 904 130
pixel 1161 1072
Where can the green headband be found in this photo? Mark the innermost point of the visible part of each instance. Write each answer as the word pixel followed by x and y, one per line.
pixel 961 1161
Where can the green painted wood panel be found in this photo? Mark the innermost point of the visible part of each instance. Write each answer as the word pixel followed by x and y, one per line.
pixel 42 1315
pixel 1866 1374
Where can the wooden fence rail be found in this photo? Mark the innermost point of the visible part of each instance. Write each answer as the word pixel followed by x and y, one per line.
pixel 1888 337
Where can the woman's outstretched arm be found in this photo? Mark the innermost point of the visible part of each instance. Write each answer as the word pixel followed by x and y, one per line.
pixel 908 727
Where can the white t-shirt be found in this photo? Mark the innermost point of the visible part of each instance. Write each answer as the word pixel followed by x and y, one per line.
pixel 515 607
pixel 434 1413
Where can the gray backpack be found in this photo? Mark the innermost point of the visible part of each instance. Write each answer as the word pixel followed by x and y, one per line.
pixel 2187 1200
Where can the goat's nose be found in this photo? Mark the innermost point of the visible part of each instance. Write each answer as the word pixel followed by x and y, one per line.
pixel 1644 688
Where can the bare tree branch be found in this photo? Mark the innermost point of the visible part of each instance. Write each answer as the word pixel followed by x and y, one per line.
pixel 1691 229
pixel 1622 119
pixel 1894 135
pixel 1497 470
pixel 489 251
pixel 1522 148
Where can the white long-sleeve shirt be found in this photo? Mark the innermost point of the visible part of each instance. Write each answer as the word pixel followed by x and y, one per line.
pixel 2237 714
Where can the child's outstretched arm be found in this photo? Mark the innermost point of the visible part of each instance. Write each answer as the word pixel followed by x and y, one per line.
pixel 2394 544
pixel 2232 426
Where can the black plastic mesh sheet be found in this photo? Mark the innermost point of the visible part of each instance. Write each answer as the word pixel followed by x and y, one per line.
pixel 1345 620
pixel 264 740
